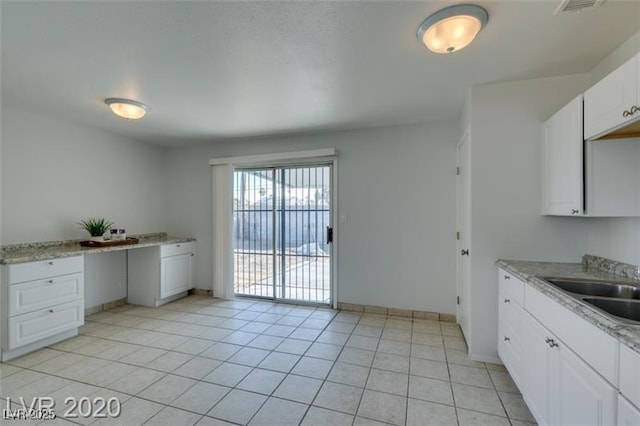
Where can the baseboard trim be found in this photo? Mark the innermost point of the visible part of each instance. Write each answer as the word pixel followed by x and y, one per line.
pixel 404 313
pixel 201 292
pixel 105 306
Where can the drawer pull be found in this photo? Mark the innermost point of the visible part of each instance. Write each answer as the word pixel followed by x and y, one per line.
pixel 177 245
pixel 507 300
pixel 507 277
pixel 50 281
pixel 506 339
pixel 50 263
pixel 192 254
pixel 50 311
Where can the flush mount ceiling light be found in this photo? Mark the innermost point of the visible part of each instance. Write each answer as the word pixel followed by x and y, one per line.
pixel 452 28
pixel 126 108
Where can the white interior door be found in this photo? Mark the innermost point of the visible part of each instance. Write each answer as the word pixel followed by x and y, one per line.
pixel 464 236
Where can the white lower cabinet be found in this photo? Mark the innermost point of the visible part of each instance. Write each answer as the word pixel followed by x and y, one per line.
pixel 509 327
pixel 559 387
pixel 562 383
pixel 160 274
pixel 176 274
pixel 42 303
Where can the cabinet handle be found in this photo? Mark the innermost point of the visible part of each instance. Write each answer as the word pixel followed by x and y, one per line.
pixel 192 254
pixel 507 277
pixel 631 111
pixel 575 211
pixel 177 245
pixel 507 301
pixel 506 338
pixel 50 281
pixel 50 311
pixel 50 263
pixel 552 343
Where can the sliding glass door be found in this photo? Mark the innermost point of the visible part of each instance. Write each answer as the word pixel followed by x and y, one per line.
pixel 282 233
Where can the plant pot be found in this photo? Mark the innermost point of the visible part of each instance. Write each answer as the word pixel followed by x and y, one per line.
pixel 97 239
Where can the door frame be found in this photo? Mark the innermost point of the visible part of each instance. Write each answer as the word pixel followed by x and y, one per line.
pixel 465 305
pixel 317 156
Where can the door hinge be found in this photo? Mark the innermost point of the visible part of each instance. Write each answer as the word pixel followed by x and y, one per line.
pixel 329 234
pixel 457 300
pixel 458 171
pixel 457 235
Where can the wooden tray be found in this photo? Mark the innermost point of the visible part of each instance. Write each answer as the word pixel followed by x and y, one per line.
pixel 110 243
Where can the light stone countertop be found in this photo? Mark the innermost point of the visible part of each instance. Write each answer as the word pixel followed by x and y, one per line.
pixel 528 272
pixel 30 252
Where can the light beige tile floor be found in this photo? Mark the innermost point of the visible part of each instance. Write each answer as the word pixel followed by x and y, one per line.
pixel 217 362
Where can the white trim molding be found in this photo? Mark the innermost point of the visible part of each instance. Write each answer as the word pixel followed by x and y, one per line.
pixel 222 174
pixel 273 159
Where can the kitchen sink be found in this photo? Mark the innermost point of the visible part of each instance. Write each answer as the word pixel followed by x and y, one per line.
pixel 616 299
pixel 626 309
pixel 596 288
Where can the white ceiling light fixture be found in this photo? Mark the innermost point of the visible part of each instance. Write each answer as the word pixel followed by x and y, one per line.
pixel 452 28
pixel 127 108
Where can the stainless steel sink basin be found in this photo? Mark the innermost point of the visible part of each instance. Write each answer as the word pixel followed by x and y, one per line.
pixel 596 288
pixel 626 309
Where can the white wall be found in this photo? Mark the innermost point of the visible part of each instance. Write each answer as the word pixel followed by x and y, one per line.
pixel 55 174
pixel 105 277
pixel 506 192
pixel 397 187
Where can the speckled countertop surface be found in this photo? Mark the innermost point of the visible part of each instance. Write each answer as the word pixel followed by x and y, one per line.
pixel 627 334
pixel 30 252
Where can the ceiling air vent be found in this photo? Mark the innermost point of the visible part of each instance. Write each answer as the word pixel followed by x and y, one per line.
pixel 577 5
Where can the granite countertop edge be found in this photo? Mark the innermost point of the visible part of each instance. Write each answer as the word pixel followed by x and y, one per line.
pixel 528 271
pixel 55 250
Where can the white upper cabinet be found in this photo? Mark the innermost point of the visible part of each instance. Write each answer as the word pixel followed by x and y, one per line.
pixel 562 185
pixel 608 104
pixel 587 178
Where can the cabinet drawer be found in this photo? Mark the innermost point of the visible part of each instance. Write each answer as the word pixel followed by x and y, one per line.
pixel 630 374
pixel 512 286
pixel 175 249
pixel 36 295
pixel 31 271
pixel 38 325
pixel 596 347
pixel 510 350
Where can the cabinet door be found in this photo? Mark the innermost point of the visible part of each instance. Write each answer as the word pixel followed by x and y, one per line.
pixel 628 415
pixel 562 159
pixel 583 396
pixel 606 101
pixel 175 274
pixel 536 366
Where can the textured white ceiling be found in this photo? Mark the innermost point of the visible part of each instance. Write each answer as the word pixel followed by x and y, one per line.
pixel 216 70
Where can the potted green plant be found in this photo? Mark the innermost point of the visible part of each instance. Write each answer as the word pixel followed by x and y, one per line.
pixel 96 227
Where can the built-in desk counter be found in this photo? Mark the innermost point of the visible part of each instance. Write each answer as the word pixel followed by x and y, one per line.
pixel 30 252
pixel 43 285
